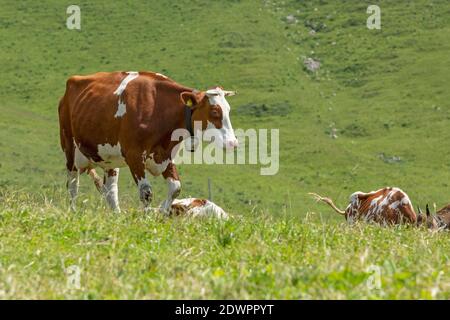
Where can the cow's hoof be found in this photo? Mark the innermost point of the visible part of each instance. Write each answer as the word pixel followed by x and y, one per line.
pixel 117 210
pixel 164 212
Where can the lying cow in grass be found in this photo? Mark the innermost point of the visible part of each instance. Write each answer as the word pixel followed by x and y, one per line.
pixel 388 206
pixel 195 207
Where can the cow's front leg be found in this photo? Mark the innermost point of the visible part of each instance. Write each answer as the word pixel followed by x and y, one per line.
pixel 173 185
pixel 137 168
pixel 111 189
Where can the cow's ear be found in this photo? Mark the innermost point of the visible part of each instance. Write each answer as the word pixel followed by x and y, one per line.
pixel 190 99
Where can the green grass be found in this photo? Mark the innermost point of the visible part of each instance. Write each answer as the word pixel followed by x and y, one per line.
pixel 385 91
pixel 134 256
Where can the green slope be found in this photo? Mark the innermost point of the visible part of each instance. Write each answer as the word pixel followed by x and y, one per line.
pixel 385 91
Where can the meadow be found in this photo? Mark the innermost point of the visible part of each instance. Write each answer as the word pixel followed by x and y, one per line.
pixel 383 92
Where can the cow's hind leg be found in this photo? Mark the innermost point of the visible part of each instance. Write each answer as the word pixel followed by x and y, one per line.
pixel 111 189
pixel 137 168
pixel 173 185
pixel 73 182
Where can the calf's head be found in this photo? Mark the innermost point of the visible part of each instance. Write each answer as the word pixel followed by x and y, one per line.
pixel 213 111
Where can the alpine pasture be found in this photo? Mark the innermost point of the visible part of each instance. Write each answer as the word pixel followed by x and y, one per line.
pixel 383 95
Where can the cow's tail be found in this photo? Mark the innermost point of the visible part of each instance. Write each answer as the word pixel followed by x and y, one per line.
pixel 327 201
pixel 99 183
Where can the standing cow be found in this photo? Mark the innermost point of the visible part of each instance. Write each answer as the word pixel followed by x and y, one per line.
pixel 118 119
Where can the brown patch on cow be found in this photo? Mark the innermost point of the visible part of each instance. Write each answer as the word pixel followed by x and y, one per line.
pixel 178 209
pixel 198 203
pixel 216 116
pixel 171 172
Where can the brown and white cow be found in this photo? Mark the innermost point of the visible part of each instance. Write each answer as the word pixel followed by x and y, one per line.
pixel 441 220
pixel 387 205
pixel 118 119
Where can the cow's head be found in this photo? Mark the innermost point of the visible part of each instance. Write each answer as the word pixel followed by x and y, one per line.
pixel 213 111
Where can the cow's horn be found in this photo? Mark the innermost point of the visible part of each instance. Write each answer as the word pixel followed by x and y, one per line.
pixel 229 93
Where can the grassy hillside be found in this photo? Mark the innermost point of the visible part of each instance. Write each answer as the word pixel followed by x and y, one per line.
pixel 384 91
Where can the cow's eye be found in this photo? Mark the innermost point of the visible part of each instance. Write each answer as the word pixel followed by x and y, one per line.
pixel 215 114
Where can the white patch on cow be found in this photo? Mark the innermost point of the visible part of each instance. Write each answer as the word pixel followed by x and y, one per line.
pixel 374 201
pixel 405 200
pixel 209 209
pixel 386 200
pixel 121 109
pixel 374 207
pixel 155 168
pixel 217 97
pixel 174 187
pixel 354 203
pixel 394 205
pixel 121 88
pixel 354 198
pixel 161 75
pixel 80 160
pixel 111 156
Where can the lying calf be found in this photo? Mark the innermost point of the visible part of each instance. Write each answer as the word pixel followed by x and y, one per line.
pixel 196 207
pixel 387 205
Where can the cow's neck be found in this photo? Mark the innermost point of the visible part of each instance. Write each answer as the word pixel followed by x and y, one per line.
pixel 173 116
pixel 188 120
pixel 179 121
